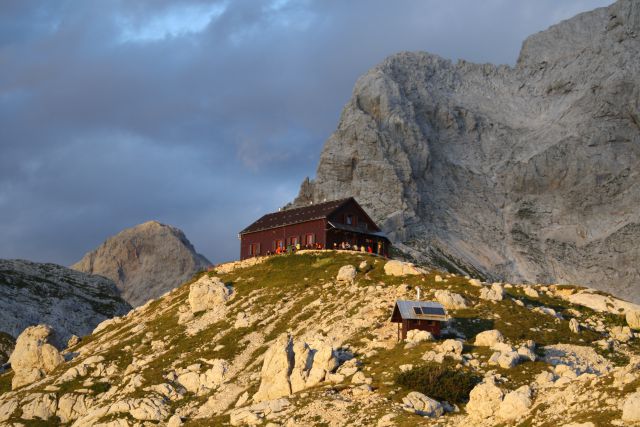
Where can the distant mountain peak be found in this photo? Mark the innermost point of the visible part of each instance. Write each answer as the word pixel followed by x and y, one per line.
pixel 145 261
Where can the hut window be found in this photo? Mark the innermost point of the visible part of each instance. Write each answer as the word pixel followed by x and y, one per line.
pixel 309 239
pixel 348 219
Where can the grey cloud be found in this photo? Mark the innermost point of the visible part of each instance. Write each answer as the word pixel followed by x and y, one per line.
pixel 206 129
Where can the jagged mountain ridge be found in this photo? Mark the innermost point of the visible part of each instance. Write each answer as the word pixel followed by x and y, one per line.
pixel 283 340
pixel 73 302
pixel 525 173
pixel 145 261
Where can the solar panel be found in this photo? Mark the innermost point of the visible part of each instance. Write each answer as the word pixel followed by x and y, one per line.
pixel 417 310
pixel 431 310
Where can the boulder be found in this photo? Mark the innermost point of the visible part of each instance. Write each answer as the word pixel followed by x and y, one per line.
pixel 33 356
pixel 200 383
pixel 475 282
pixel 451 347
pixel 516 404
pixel 505 360
pixel 494 293
pixel 621 333
pixel 415 336
pixel 401 268
pixel 423 405
pixel 574 326
pixel 484 399
pixel 437 278
pixel 346 274
pixel 450 300
pixel 208 293
pixel 489 338
pixel 175 421
pixel 633 319
pixel 631 407
pixel 278 364
pixel 531 292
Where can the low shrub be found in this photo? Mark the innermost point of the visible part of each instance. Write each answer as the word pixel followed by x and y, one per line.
pixel 439 382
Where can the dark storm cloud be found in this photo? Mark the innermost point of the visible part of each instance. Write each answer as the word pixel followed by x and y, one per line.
pixel 201 114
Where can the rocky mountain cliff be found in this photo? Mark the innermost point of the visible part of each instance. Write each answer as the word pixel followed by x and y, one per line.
pixel 305 340
pixel 73 302
pixel 526 173
pixel 144 261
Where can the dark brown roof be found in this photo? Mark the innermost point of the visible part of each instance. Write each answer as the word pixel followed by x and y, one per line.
pixel 295 216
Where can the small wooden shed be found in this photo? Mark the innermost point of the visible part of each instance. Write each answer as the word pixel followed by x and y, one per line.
pixel 422 315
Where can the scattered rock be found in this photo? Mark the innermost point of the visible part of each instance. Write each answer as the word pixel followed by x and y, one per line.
pixel 621 333
pixel 489 338
pixel 494 293
pixel 346 274
pixel 208 293
pixel 516 404
pixel 475 282
pixel 401 268
pixel 33 356
pixel 415 336
pixel 451 347
pixel 484 399
pixel 633 319
pixel 531 292
pixel 450 300
pixel 423 405
pixel 574 326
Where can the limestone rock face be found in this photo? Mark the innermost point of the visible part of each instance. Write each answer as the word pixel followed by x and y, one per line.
pixel 208 293
pixel 33 356
pixel 34 293
pixel 293 365
pixel 145 261
pixel 276 368
pixel 546 153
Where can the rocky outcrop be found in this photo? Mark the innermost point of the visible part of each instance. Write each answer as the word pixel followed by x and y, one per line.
pixel 346 274
pixel 145 261
pixel 208 293
pixel 34 356
pixel 291 366
pixel 401 268
pixel 523 173
pixel 33 293
pixel 450 300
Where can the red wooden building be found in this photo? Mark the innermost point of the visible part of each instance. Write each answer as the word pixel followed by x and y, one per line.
pixel 423 315
pixel 316 225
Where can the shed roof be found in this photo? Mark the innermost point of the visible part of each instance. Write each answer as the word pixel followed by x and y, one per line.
pixel 418 310
pixel 355 229
pixel 296 215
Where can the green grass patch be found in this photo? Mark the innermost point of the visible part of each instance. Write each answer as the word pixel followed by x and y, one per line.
pixel 439 381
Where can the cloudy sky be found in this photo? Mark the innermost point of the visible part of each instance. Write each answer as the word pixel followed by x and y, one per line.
pixel 200 114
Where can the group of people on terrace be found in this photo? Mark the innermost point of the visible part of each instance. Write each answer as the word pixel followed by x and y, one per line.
pixel 370 247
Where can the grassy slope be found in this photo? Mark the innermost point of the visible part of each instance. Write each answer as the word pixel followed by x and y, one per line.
pixel 290 284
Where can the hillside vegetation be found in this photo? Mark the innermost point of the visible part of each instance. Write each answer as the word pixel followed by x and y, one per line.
pixel 220 352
